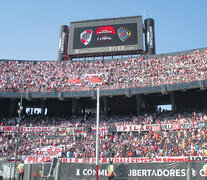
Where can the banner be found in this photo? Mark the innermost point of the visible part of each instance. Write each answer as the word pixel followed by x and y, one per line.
pixel 70 131
pixel 202 124
pixel 74 81
pixel 137 128
pixel 167 126
pixel 25 129
pixel 62 131
pixel 37 159
pixel 47 151
pixel 102 128
pixel 78 129
pixel 186 125
pixel 94 78
pixel 155 127
pixel 176 126
pixel 130 171
pixel 97 80
pixel 124 128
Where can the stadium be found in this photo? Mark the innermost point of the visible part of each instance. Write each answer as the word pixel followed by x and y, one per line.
pixel 49 109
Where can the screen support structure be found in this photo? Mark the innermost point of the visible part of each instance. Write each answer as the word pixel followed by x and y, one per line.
pixel 19 119
pixel 97 132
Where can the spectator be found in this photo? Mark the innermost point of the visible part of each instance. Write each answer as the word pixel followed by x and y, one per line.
pixel 32 76
pixel 81 143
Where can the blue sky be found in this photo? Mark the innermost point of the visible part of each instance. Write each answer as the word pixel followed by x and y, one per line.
pixel 30 29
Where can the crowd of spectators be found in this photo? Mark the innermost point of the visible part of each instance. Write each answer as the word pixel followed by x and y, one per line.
pixel 81 142
pixel 51 76
pixel 35 76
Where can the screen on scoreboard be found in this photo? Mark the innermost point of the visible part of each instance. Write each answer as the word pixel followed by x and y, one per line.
pixel 105 36
pixel 100 36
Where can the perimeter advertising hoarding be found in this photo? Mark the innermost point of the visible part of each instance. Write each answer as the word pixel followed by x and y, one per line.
pixel 124 171
pixel 106 36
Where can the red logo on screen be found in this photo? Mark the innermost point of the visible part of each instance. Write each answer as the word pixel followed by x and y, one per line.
pixel 104 32
pixel 86 36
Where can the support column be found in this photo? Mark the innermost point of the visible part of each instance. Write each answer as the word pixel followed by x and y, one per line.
pixel 172 99
pixel 12 108
pixel 74 106
pixel 57 171
pixel 42 108
pixel 139 103
pixel 106 105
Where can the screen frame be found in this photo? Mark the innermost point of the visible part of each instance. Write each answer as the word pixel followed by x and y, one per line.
pixel 119 49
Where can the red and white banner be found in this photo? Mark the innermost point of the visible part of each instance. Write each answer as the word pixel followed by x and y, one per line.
pixel 37 159
pixel 167 126
pixel 155 127
pixel 74 81
pixel 47 151
pixel 97 80
pixel 102 128
pixel 41 159
pixel 137 128
pixel 125 128
pixel 8 128
pixel 176 126
pixel 94 78
pixel 25 129
pixel 186 125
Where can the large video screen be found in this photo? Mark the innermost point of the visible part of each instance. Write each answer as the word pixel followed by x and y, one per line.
pixel 100 36
pixel 105 36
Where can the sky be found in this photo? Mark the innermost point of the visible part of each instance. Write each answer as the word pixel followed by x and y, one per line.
pixel 29 30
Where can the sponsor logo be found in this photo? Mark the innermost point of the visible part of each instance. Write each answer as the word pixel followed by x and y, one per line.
pixel 157 172
pixel 150 37
pixel 194 172
pixel 77 172
pixel 91 172
pixel 124 34
pixel 203 171
pixel 85 36
pixel 104 38
pixel 104 33
pixel 105 30
pixel 61 42
pixel 103 49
